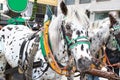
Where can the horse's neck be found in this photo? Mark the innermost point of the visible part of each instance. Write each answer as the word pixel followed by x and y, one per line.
pixel 58 46
pixel 54 35
pixel 99 35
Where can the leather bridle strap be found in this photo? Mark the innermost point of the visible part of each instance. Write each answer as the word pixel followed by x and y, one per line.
pixel 21 54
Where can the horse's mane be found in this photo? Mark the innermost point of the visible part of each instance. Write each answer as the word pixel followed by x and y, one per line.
pixel 74 11
pixel 54 33
pixel 97 24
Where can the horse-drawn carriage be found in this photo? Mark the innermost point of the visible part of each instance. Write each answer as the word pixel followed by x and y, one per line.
pixel 62 48
pixel 19 42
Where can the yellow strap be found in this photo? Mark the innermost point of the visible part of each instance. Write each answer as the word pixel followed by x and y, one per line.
pixel 49 55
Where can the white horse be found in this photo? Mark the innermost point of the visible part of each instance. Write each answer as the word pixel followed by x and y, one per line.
pixel 68 37
pixel 103 32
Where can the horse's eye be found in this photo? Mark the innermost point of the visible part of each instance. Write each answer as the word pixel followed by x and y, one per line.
pixel 78 32
pixel 68 27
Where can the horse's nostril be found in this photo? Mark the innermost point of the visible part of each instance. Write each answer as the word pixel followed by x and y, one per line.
pixel 83 60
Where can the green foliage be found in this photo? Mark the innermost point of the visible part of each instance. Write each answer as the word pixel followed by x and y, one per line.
pixel 34 10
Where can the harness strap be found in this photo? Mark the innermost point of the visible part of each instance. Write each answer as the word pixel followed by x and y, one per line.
pixel 35 64
pixel 67 41
pixel 74 42
pixel 50 57
pixel 82 42
pixel 44 52
pixel 31 64
pixel 15 69
pixel 11 70
pixel 21 64
pixel 21 53
pixel 62 27
pixel 107 61
pixel 42 46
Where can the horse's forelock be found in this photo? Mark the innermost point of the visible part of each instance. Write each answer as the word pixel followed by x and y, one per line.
pixel 55 22
pixel 75 12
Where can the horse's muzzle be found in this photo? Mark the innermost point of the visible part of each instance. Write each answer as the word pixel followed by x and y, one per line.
pixel 84 63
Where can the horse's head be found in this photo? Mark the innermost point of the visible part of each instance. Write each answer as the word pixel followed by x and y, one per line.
pixel 74 26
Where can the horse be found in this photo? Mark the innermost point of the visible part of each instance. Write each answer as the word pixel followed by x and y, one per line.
pixel 104 32
pixel 69 45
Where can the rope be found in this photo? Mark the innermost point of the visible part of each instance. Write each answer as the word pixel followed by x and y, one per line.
pixel 109 64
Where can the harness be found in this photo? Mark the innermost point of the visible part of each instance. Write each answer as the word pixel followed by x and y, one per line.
pixel 23 65
pixel 49 56
pixel 28 64
pixel 74 42
pixel 71 43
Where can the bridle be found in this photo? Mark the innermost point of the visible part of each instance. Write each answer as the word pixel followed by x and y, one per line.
pixel 71 43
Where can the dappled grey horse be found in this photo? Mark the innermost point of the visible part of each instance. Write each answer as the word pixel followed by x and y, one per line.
pixel 67 36
pixel 106 32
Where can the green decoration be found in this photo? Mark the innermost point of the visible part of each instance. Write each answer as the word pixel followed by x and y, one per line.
pixel 42 45
pixel 16 21
pixel 17 5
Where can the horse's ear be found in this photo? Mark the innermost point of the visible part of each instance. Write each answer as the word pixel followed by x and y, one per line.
pixel 63 8
pixel 87 12
pixel 112 20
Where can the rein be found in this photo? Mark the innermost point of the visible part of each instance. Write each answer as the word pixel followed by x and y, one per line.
pixel 74 42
